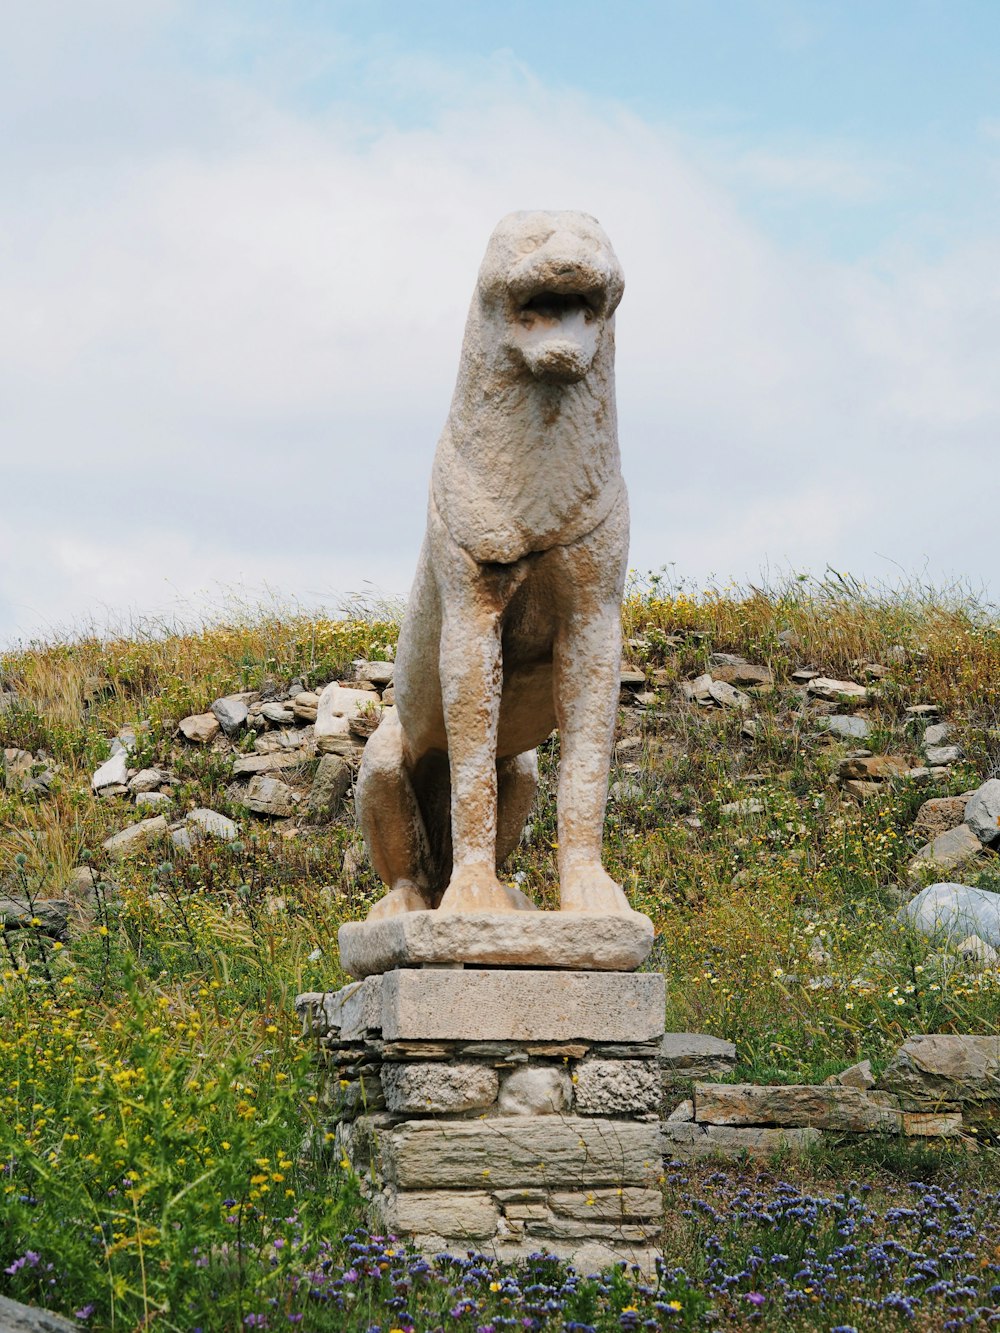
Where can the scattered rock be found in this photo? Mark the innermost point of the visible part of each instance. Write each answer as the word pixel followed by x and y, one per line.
pixel 943 755
pixel 696 1055
pixel 937 734
pixel 209 823
pixel 376 673
pixel 742 673
pixel 974 950
pixel 249 765
pixel 270 796
pixel 939 815
pixel 49 915
pixel 698 690
pixel 201 728
pixel 337 706
pixel 982 812
pixel 954 911
pixel 823 687
pixel 858 1076
pixel 863 791
pixel 148 779
pixel 945 1069
pixel 136 836
pixel 873 768
pixel 804 674
pixel 845 726
pixel 113 772
pixel 331 784
pixel 18 1318
pixel 751 805
pixel 682 1113
pixel 153 800
pixel 231 713
pixel 727 696
pixel 279 715
pixel 305 705
pixel 923 710
pixel 949 850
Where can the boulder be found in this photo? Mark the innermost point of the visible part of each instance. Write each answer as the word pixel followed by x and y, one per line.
pixel 331 784
pixel 945 1069
pixel 949 850
pixel 953 912
pixel 982 812
pixel 147 779
pixel 201 728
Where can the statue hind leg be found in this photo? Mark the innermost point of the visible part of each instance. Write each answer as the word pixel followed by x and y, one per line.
pixel 393 826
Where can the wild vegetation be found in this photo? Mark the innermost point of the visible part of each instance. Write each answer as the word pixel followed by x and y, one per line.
pixel 162 1158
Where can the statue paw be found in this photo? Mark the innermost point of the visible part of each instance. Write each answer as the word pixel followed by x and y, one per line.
pixel 477 889
pixel 403 897
pixel 589 888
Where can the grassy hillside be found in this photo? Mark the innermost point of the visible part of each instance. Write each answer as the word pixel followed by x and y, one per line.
pixel 154 1089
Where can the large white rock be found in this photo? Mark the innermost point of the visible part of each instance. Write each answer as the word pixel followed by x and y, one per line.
pixel 949 850
pixel 954 911
pixel 577 940
pixel 982 811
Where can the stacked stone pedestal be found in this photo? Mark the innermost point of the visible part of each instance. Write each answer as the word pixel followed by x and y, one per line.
pixel 495 1107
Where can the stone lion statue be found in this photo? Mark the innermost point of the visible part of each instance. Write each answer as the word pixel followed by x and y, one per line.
pixel 513 623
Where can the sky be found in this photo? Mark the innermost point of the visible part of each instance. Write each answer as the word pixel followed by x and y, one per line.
pixel 238 242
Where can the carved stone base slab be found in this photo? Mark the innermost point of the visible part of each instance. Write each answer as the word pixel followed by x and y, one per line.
pixel 579 941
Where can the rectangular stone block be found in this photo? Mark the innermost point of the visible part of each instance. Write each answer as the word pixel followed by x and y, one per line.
pixel 823 1107
pixel 927 1125
pixel 616 1087
pixel 686 1140
pixel 576 940
pixel 604 1205
pixel 508 1152
pixel 458 1214
pixel 475 1004
pixel 696 1055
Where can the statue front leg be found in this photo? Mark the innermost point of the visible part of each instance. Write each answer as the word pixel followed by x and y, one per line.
pixel 471 679
pixel 587 681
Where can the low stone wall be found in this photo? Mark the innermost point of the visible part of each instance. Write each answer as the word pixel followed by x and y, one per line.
pixel 493 1142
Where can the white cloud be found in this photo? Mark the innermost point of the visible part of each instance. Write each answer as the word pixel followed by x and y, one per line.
pixel 227 354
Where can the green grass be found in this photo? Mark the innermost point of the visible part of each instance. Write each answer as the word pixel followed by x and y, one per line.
pixel 155 1092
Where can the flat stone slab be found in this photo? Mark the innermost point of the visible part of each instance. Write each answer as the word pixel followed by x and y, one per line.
pixel 795 1106
pixel 470 1004
pixel 574 940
